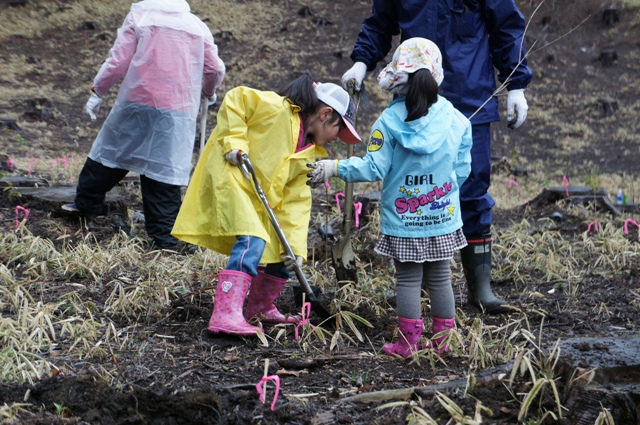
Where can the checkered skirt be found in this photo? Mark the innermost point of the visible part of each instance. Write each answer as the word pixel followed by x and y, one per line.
pixel 419 250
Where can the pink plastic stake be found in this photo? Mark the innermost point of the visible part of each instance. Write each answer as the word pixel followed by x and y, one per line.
pixel 71 179
pixel 32 165
pixel 24 210
pixel 565 183
pixel 10 163
pixel 595 226
pixel 338 196
pixel 358 208
pixel 626 225
pixel 513 183
pixel 327 185
pixel 274 378
pixel 306 312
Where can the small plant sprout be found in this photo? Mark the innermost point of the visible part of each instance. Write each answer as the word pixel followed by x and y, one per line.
pixel 61 410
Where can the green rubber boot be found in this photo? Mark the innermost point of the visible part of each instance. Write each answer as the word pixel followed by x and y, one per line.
pixel 476 263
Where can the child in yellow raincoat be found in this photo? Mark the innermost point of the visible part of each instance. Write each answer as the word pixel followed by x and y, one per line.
pixel 281 132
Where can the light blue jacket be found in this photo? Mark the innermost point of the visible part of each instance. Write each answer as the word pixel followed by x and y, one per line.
pixel 423 164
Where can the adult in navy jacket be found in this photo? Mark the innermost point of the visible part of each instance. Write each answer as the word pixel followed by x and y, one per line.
pixel 476 38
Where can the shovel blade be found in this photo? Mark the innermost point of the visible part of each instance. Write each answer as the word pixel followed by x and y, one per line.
pixel 344 261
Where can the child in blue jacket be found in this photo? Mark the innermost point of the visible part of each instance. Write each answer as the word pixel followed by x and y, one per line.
pixel 421 147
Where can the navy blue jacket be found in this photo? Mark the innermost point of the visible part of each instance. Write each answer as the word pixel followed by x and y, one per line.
pixel 474 36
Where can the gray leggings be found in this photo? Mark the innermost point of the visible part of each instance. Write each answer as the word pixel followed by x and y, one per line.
pixel 437 278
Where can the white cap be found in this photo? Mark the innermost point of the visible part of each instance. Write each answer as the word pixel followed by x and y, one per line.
pixel 338 98
pixel 413 54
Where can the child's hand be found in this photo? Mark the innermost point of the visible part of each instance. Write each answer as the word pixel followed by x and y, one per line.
pixel 234 156
pixel 322 171
pixel 290 263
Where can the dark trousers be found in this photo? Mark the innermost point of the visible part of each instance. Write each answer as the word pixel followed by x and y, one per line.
pixel 161 201
pixel 475 201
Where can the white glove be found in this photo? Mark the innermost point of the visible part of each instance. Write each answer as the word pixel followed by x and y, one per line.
pixel 322 171
pixel 290 263
pixel 212 100
pixel 93 106
pixel 233 156
pixel 516 108
pixel 354 76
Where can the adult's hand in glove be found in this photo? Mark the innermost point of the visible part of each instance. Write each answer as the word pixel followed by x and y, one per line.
pixel 516 108
pixel 212 100
pixel 233 156
pixel 352 79
pixel 322 171
pixel 93 106
pixel 291 263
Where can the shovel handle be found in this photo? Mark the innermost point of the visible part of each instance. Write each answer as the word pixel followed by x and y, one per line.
pixel 204 111
pixel 348 200
pixel 247 169
pixel 348 187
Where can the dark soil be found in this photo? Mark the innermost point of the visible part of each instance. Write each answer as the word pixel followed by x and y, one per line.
pixel 180 374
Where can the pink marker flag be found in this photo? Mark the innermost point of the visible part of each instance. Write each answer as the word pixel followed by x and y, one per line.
pixel 358 208
pixel 626 225
pixel 26 214
pixel 338 196
pixel 32 165
pixel 306 312
pixel 261 393
pixel 565 183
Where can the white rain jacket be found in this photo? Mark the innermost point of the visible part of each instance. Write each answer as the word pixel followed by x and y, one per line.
pixel 165 57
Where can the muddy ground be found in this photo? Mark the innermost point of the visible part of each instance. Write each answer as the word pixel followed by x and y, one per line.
pixel 177 373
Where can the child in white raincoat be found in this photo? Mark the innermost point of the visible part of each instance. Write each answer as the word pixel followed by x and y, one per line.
pixel 167 60
pixel 281 132
pixel 421 147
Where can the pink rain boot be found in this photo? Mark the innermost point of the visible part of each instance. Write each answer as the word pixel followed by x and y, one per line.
pixel 229 299
pixel 440 325
pixel 410 331
pixel 265 288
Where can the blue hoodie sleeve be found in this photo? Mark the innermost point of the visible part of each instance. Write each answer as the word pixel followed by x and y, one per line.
pixel 506 27
pixel 375 37
pixel 375 165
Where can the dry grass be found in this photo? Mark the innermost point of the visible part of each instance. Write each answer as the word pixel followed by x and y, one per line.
pixel 142 287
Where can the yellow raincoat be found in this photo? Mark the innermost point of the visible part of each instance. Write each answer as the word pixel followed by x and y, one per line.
pixel 221 203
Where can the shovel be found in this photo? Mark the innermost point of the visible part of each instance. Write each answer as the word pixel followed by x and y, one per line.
pixel 204 111
pixel 247 169
pixel 343 258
